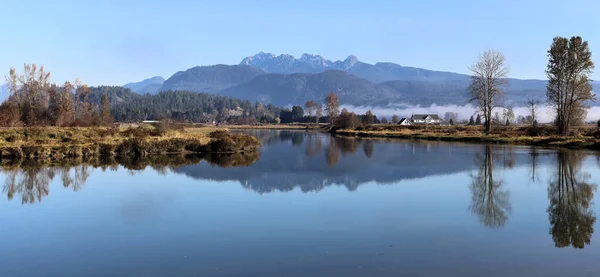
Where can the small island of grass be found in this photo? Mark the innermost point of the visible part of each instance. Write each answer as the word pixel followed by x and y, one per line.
pixel 58 143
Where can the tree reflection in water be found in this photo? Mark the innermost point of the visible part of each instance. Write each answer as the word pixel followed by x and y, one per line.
pixel 313 145
pixel 332 152
pixel 490 202
pixel 368 148
pixel 345 146
pixel 31 182
pixel 570 194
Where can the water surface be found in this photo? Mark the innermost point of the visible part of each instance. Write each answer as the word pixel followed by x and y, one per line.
pixel 310 205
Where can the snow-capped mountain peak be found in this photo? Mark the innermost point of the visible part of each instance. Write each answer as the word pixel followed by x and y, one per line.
pixel 285 63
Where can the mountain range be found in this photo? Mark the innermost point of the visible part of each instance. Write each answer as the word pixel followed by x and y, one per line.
pixel 285 80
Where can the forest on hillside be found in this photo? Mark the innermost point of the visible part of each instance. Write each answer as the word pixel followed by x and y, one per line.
pixel 183 106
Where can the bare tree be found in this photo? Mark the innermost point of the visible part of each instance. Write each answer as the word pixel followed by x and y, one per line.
pixel 395 119
pixel 30 90
pixel 106 118
pixel 450 116
pixel 488 75
pixel 318 113
pixel 313 109
pixel 532 105
pixel 332 106
pixel 310 107
pixel 509 115
pixel 569 90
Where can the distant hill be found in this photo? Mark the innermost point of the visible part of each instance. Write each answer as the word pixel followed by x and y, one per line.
pixel 211 78
pixel 150 85
pixel 284 89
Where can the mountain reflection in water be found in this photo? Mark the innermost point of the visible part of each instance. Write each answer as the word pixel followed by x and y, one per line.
pixel 311 161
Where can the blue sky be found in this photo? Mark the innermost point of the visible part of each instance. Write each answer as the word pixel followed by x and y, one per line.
pixel 115 42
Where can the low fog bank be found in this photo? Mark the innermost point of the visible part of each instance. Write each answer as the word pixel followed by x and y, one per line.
pixel 544 113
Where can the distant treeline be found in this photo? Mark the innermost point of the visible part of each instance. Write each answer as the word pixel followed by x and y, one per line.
pixel 183 106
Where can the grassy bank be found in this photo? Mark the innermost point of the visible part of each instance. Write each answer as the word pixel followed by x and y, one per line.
pixel 64 143
pixel 581 138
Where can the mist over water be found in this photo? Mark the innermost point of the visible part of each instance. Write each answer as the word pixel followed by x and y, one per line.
pixel 544 112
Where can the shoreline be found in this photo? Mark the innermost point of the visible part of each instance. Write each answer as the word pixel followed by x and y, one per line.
pixel 300 126
pixel 589 143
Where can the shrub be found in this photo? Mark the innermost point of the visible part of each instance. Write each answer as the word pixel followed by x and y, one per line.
pixel 36 151
pixel 11 152
pixel 222 145
pixel 137 132
pixel 219 134
pixel 175 145
pixel 13 137
pixel 106 149
pixel 132 147
pixel 109 132
pixel 193 145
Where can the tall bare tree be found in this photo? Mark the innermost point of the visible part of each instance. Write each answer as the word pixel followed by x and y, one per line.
pixel 532 105
pixel 310 107
pixel 313 109
pixel 318 113
pixel 67 105
pixel 106 118
pixel 569 90
pixel 488 75
pixel 84 109
pixel 332 106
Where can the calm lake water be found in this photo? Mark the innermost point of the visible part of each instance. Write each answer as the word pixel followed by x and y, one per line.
pixel 310 205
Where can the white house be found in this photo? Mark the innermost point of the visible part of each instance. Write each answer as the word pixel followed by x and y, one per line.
pixel 425 119
pixel 405 121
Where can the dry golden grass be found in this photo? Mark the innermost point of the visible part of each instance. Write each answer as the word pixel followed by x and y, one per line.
pixel 581 137
pixel 58 136
pixel 59 143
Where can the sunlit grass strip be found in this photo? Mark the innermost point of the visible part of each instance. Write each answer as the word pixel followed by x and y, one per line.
pixel 61 143
pixel 558 141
